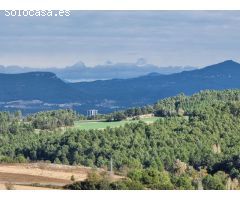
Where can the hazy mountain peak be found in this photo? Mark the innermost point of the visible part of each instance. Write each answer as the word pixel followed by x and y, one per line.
pixel 223 67
pixel 108 62
pixel 79 64
pixel 141 62
pixel 109 70
pixel 229 62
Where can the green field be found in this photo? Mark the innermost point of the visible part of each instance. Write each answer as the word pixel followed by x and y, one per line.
pixel 90 124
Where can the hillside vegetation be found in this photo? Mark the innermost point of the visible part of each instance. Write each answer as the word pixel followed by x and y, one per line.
pixel 194 145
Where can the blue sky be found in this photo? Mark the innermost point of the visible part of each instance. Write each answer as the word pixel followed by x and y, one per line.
pixel 195 38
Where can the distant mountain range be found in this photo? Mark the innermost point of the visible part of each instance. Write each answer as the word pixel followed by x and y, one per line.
pixel 148 89
pixel 109 95
pixel 80 72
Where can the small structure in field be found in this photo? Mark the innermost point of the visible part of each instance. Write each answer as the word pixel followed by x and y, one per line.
pixel 92 113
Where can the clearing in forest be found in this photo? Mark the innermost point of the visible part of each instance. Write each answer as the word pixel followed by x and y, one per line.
pixel 94 124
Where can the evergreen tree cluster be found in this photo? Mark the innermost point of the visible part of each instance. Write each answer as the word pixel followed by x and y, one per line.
pixel 195 144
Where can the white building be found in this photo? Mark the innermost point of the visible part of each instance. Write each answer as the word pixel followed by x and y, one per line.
pixel 91 113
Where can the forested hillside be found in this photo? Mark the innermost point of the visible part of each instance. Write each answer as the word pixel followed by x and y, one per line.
pixel 194 145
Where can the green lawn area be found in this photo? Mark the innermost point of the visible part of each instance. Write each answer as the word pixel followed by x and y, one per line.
pixel 90 124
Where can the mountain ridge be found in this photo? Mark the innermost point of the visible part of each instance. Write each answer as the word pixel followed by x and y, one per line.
pixel 79 71
pixel 109 95
pixel 42 86
pixel 148 88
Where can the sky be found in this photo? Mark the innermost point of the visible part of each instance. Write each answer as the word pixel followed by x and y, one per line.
pixel 163 38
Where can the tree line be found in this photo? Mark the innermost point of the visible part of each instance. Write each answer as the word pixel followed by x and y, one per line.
pixel 194 145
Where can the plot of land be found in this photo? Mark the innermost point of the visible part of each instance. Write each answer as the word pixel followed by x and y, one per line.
pixel 91 124
pixel 25 176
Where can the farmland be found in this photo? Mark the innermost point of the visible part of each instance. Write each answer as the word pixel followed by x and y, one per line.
pixel 41 175
pixel 99 124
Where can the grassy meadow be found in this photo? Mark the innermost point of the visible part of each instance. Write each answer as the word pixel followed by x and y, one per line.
pixel 91 124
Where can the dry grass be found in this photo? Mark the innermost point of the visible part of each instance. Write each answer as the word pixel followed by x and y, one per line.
pixel 25 176
pixel 54 171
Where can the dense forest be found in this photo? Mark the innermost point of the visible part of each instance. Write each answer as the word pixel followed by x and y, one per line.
pixel 194 145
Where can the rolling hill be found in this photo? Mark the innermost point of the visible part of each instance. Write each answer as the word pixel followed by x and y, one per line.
pixel 43 86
